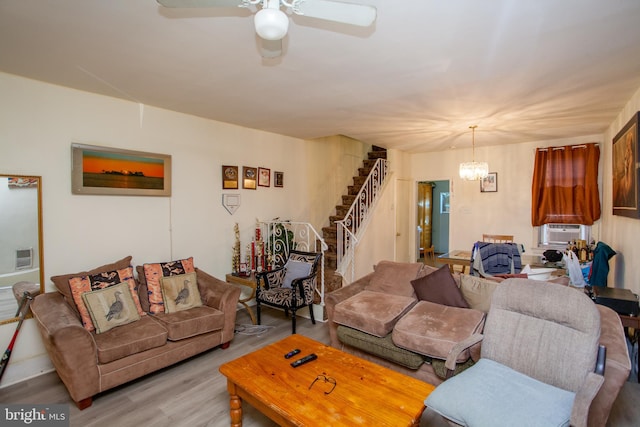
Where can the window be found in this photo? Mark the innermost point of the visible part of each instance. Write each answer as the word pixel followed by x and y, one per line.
pixel 565 185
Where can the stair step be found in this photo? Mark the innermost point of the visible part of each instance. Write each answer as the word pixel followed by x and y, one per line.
pixel 353 190
pixel 359 181
pixel 348 199
pixel 329 232
pixel 377 148
pixel 341 210
pixel 377 155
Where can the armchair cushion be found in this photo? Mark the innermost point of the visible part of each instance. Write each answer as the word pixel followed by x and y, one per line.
pixel 434 329
pixel 295 270
pixel 372 312
pixel 492 394
pixel 439 287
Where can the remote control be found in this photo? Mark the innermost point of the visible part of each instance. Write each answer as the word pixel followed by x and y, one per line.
pixel 304 360
pixel 291 354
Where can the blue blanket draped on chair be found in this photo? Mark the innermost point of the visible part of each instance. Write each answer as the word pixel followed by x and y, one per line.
pixel 495 258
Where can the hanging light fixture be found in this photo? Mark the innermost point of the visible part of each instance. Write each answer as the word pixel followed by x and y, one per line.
pixel 473 171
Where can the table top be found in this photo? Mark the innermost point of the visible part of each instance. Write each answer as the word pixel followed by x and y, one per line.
pixel 365 394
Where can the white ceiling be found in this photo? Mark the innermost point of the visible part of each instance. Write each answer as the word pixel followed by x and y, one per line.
pixel 416 80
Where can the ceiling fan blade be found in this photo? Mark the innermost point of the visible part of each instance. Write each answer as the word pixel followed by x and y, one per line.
pixel 270 48
pixel 199 3
pixel 347 13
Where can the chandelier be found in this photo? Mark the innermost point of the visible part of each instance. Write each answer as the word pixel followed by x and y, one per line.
pixel 473 171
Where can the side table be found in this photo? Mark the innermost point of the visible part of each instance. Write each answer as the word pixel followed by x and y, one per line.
pixel 250 282
pixel 632 322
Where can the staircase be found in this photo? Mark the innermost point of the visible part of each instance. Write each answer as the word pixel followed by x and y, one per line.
pixel 332 280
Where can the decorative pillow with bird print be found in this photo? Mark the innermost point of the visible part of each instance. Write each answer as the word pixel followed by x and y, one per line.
pixel 153 273
pixel 110 307
pixel 180 292
pixel 82 284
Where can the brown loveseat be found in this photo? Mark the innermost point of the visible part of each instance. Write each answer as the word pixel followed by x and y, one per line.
pixel 385 318
pixel 89 363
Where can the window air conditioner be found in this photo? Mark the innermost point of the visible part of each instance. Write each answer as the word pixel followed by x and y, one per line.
pixel 561 234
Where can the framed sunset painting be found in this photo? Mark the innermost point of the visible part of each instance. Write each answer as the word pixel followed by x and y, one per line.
pixel 113 171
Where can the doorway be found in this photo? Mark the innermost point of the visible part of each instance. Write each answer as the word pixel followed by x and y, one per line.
pixel 433 216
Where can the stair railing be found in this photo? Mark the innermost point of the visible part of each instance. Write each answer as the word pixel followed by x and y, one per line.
pixel 283 236
pixel 350 229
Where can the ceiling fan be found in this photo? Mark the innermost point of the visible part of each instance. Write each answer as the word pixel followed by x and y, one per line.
pixel 272 23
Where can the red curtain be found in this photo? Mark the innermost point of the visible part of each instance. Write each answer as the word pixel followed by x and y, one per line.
pixel 565 185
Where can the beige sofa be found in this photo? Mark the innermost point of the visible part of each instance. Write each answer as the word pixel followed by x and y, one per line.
pixel 364 318
pixel 89 363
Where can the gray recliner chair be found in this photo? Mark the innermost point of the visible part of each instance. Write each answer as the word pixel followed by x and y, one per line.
pixel 540 351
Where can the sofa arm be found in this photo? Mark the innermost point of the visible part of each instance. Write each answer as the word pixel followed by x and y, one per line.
pixel 455 351
pixel 222 296
pixel 337 296
pixel 70 346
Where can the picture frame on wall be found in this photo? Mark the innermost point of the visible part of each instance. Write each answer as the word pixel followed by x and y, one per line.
pixel 626 174
pixel 249 177
pixel 278 179
pixel 489 184
pixel 118 172
pixel 229 177
pixel 264 177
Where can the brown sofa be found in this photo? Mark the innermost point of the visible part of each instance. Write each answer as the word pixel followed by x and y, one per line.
pixel 361 313
pixel 89 363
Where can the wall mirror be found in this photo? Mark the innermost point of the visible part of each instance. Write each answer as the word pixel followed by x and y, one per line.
pixel 21 258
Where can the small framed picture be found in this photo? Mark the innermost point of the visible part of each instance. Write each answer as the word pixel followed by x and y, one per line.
pixel 264 177
pixel 249 177
pixel 229 177
pixel 489 184
pixel 278 179
pixel 243 269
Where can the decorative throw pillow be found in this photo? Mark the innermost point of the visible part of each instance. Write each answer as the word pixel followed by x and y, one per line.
pixel 154 272
pixel 110 307
pixel 180 292
pixel 439 287
pixel 62 281
pixel 478 291
pixel 295 270
pixel 102 280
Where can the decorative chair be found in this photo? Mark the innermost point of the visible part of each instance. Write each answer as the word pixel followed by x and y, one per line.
pixel 541 363
pixel 429 252
pixel 497 238
pixel 291 286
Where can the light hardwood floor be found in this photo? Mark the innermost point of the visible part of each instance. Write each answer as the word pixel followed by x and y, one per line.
pixel 193 393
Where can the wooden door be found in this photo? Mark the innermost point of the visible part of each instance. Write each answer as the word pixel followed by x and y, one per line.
pixel 425 215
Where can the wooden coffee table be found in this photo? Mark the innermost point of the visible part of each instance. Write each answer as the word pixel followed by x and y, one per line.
pixel 365 393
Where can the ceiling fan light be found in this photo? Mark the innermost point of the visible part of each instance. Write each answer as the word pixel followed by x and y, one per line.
pixel 271 24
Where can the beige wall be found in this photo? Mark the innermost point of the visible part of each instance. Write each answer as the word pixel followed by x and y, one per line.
pixel 38 123
pixel 621 233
